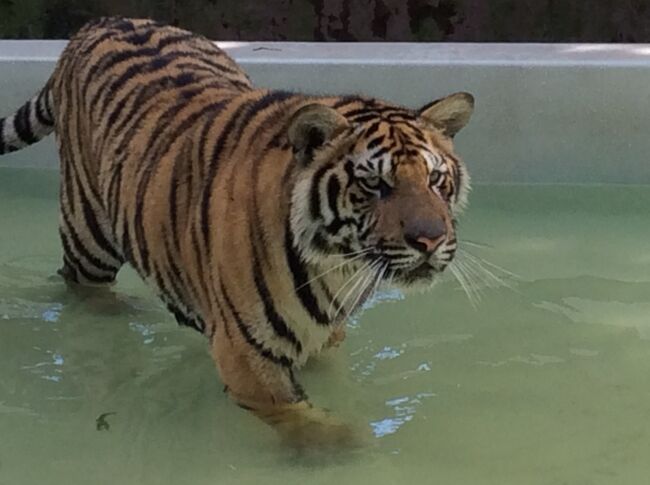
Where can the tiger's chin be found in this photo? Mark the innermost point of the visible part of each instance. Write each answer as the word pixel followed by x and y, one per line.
pixel 418 279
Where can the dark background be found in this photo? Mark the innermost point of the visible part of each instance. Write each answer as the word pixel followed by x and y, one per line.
pixel 350 20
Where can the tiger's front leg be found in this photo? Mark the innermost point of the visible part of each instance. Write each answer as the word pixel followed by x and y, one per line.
pixel 268 389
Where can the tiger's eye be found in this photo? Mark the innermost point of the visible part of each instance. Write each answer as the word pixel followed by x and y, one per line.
pixel 376 185
pixel 435 178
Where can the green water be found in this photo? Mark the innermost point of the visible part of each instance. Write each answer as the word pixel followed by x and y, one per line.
pixel 545 382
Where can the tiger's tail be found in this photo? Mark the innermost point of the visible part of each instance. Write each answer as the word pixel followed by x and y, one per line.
pixel 33 121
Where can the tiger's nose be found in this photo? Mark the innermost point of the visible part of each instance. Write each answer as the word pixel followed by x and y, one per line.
pixel 426 236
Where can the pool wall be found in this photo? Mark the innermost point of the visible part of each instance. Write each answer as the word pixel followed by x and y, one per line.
pixel 545 113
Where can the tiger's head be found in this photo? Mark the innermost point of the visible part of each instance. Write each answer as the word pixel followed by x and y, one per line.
pixel 379 186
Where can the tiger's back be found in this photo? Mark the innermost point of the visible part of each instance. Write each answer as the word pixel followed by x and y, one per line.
pixel 130 97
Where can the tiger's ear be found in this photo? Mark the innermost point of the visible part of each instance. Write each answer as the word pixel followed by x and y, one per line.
pixel 311 126
pixel 449 114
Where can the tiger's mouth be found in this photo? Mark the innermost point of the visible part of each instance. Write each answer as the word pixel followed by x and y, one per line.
pixel 422 273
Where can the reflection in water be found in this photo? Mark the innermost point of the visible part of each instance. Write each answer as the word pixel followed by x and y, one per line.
pixel 403 411
pixel 52 314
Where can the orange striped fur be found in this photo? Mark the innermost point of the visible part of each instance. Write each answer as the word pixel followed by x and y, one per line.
pixel 262 218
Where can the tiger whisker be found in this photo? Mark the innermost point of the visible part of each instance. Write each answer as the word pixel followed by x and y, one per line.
pixel 376 275
pixel 463 283
pixel 380 278
pixel 361 283
pixel 477 275
pixel 479 267
pixel 476 244
pixel 358 256
pixel 343 286
pixel 470 277
pixel 491 265
pixel 368 282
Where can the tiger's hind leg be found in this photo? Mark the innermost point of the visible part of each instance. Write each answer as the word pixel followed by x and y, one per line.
pixel 90 255
pixel 264 384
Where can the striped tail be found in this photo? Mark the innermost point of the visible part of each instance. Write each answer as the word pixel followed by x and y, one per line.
pixel 32 122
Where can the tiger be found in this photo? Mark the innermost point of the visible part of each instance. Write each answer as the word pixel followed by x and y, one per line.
pixel 261 218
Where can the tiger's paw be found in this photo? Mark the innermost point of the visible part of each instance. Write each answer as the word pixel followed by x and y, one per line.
pixel 314 428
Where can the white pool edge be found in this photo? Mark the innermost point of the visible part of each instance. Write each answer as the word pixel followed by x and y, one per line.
pixel 545 113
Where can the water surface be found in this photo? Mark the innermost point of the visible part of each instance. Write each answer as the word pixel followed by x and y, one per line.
pixel 544 382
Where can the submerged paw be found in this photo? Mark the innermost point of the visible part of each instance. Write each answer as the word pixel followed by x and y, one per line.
pixel 316 428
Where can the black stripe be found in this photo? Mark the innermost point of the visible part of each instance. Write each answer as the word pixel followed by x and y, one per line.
pixel 115 113
pixel 372 129
pixel 364 110
pixel 269 99
pixel 314 195
pixel 173 193
pixel 272 126
pixel 298 390
pixel 200 63
pixel 178 276
pixel 380 166
pixel 333 302
pixel 23 125
pixel 283 360
pixel 371 108
pixel 88 48
pixel 141 241
pixel 190 190
pixel 43 114
pixel 223 322
pixel 77 266
pixel 84 251
pixel 139 38
pixel 113 194
pixel 111 59
pixel 3 147
pixel 147 94
pixel 300 280
pixel 149 171
pixel 126 241
pixel 182 318
pixel 375 142
pixel 68 271
pixel 419 145
pixel 200 267
pixel 95 230
pixel 346 100
pixel 277 322
pixel 333 192
pixel 150 61
pixel 364 118
pixel 173 297
pixel 419 136
pixel 400 116
pixel 458 180
pixel 112 86
pixel 121 24
pixel 382 151
pixel 335 226
pixel 66 178
pixel 163 123
pixel 214 160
